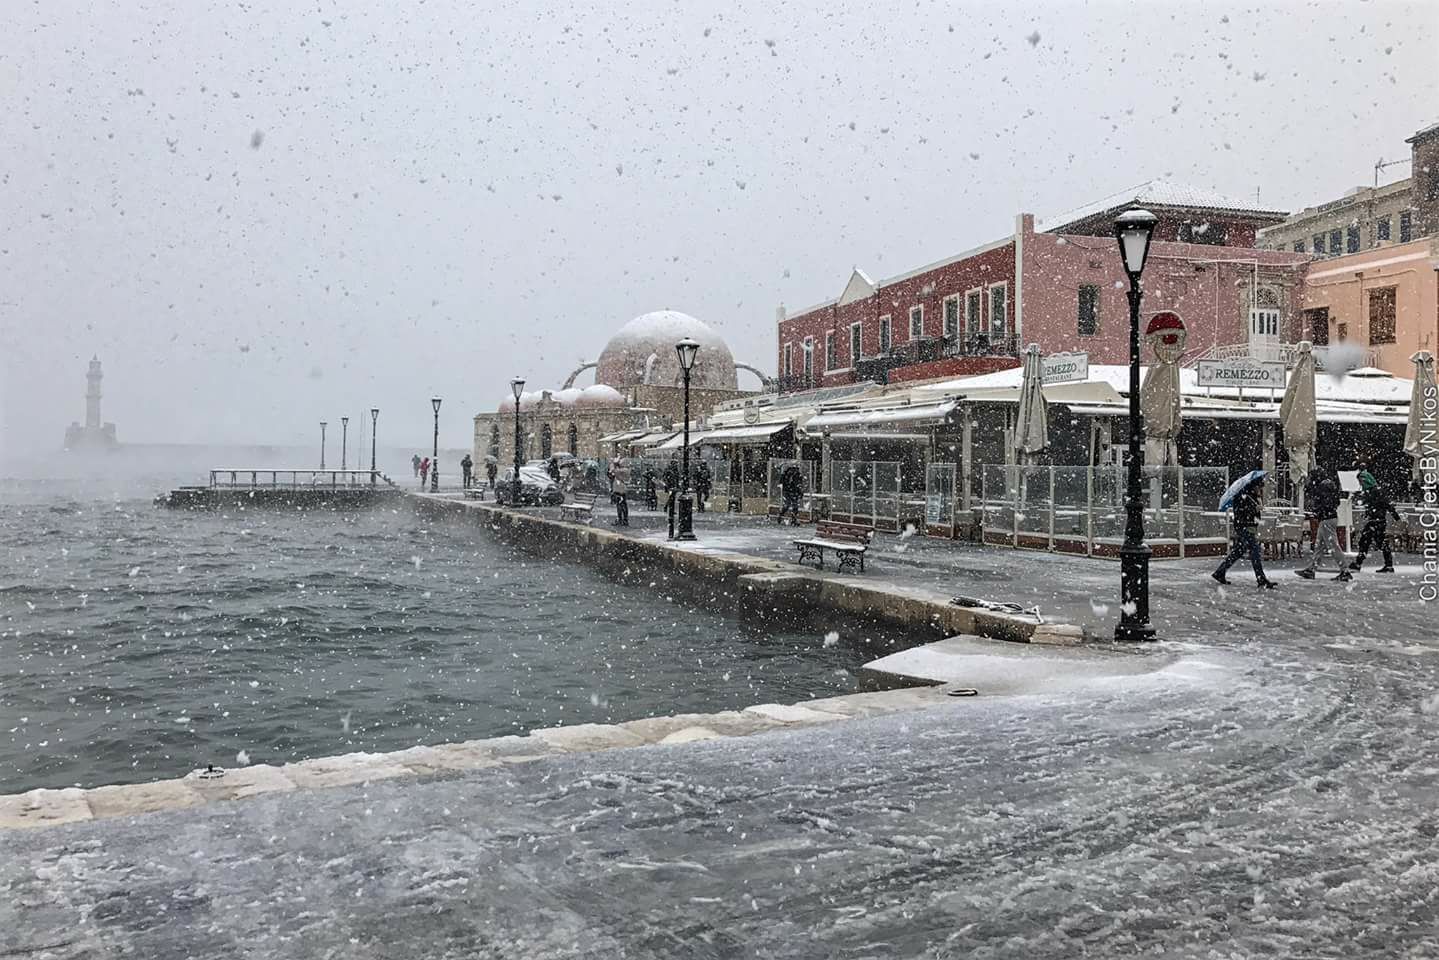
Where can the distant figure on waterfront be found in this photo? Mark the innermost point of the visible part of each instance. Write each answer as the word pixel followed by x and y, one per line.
pixel 467 467
pixel 791 489
pixel 672 487
pixel 553 469
pixel 490 471
pixel 424 471
pixel 703 483
pixel 620 494
pixel 415 464
pixel 652 497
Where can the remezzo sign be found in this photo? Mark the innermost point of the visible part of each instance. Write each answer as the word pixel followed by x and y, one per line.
pixel 1243 372
pixel 1064 367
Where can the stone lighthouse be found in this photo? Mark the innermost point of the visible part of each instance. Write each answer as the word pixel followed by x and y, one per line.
pixel 95 434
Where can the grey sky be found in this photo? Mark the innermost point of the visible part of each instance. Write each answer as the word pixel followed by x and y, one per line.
pixel 265 214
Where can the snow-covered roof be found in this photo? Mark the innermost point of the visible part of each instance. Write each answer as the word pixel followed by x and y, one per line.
pixel 1365 385
pixel 1158 193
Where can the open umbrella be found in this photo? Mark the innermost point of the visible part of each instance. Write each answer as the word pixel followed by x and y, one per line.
pixel 1031 426
pixel 1418 438
pixel 1296 413
pixel 1238 487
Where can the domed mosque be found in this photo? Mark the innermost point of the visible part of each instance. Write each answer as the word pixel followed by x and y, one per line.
pixel 638 384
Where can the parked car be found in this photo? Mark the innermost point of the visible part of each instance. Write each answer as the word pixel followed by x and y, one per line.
pixel 536 487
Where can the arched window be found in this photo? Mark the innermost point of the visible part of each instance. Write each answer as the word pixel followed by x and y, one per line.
pixel 1268 299
pixel 574 439
pixel 547 441
pixel 495 440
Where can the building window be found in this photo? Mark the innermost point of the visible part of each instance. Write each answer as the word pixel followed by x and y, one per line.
pixel 1381 315
pixel 916 322
pixel 1319 243
pixel 1317 320
pixel 495 440
pixel 1381 228
pixel 998 311
pixel 1336 242
pixel 855 343
pixel 951 317
pixel 574 439
pixel 1088 310
pixel 1406 227
pixel 971 312
pixel 788 360
pixel 883 336
pixel 831 352
pixel 1351 239
pixel 808 359
pixel 1298 246
pixel 547 442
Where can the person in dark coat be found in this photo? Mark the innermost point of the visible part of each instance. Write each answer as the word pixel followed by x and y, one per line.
pixel 1378 508
pixel 1246 536
pixel 672 488
pixel 553 469
pixel 1321 500
pixel 490 470
pixel 652 496
pixel 424 471
pixel 415 462
pixel 467 468
pixel 703 482
pixel 791 488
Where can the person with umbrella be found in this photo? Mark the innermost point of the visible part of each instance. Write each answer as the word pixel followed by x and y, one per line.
pixel 1378 508
pixel 1243 496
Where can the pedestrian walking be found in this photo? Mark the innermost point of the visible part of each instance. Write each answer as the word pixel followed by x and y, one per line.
pixel 1321 496
pixel 415 464
pixel 703 482
pixel 490 470
pixel 791 488
pixel 652 497
pixel 1246 536
pixel 467 467
pixel 620 494
pixel 1378 508
pixel 553 469
pixel 424 471
pixel 672 488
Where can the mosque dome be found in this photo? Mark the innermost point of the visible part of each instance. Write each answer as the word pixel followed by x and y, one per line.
pixel 528 399
pixel 599 395
pixel 567 397
pixel 643 352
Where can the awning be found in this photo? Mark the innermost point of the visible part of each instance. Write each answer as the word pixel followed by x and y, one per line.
pixel 882 418
pixel 746 434
pixel 653 438
pixel 1324 413
pixel 622 435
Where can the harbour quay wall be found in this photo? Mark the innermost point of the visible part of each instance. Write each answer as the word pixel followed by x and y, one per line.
pixel 760 585
pixel 278 498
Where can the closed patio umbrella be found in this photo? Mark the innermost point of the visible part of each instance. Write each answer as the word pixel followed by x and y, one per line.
pixel 1296 413
pixel 1419 438
pixel 1031 428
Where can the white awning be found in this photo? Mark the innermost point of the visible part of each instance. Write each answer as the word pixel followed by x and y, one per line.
pixel 622 435
pixel 746 434
pixel 652 439
pixel 882 417
pixel 1324 413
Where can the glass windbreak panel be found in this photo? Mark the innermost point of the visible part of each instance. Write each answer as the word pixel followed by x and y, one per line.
pixel 1071 503
pixel 886 494
pixel 1203 520
pixel 939 495
pixel 1034 501
pixel 862 491
pixel 1000 487
pixel 840 485
pixel 1161 513
pixel 1107 510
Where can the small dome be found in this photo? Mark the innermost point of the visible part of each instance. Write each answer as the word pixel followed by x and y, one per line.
pixel 567 397
pixel 643 352
pixel 528 399
pixel 600 395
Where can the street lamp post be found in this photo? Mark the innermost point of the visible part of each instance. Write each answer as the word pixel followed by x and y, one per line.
pixel 323 424
pixel 686 349
pixel 344 443
pixel 1134 229
pixel 374 421
pixel 517 387
pixel 435 454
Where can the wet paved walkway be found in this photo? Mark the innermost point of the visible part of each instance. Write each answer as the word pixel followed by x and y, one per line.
pixel 1270 793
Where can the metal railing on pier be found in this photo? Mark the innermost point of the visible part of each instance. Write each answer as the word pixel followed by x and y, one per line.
pixel 264 478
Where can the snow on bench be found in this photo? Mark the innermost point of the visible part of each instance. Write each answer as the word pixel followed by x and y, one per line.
pixel 582 507
pixel 847 541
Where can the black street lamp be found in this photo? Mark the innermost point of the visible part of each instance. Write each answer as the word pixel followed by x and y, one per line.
pixel 344 443
pixel 686 349
pixel 435 454
pixel 374 420
pixel 517 387
pixel 1134 229
pixel 323 424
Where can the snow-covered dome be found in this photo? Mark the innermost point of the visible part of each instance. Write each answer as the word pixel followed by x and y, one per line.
pixel 567 397
pixel 599 395
pixel 528 399
pixel 643 351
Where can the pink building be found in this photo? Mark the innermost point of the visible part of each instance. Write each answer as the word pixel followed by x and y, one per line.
pixel 1060 286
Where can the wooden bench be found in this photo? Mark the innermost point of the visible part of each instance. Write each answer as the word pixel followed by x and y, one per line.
pixel 475 493
pixel 847 541
pixel 582 507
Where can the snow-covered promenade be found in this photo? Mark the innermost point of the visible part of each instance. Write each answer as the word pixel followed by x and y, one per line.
pixel 1265 789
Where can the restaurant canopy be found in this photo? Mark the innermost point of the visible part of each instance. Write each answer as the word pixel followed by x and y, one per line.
pixel 882 419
